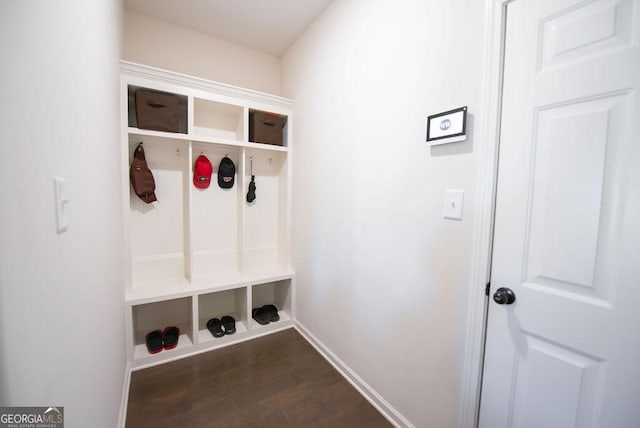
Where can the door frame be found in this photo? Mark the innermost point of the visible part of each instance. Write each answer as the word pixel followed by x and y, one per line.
pixel 487 170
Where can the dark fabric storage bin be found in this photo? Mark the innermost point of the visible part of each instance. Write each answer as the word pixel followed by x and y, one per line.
pixel 266 128
pixel 158 111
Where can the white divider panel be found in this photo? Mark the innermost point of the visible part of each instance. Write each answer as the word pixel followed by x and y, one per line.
pixel 264 217
pixel 214 219
pixel 158 229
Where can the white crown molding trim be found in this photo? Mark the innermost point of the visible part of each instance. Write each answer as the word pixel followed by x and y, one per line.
pixel 148 72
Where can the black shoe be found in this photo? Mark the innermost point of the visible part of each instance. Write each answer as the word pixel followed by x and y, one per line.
pixel 261 316
pixel 170 336
pixel 154 341
pixel 272 310
pixel 229 324
pixel 214 325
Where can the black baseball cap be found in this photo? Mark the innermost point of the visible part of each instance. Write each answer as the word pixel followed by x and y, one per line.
pixel 226 173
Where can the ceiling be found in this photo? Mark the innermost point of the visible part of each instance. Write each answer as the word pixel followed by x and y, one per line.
pixel 270 26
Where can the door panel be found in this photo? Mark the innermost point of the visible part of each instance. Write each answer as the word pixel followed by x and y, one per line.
pixel 567 222
pixel 578 32
pixel 573 182
pixel 574 381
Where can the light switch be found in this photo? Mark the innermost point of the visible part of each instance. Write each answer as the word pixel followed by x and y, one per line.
pixel 453 200
pixel 62 204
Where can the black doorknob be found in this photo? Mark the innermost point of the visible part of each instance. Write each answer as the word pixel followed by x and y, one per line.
pixel 504 296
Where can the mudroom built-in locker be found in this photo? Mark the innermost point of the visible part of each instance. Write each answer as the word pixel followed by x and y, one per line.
pixel 207 255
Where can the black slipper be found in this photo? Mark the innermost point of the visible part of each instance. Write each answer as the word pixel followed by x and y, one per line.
pixel 154 341
pixel 170 337
pixel 272 310
pixel 229 324
pixel 262 316
pixel 214 325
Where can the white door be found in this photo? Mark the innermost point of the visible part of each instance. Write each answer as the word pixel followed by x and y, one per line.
pixel 566 353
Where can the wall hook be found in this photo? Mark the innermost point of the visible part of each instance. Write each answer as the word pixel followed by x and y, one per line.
pixel 178 151
pixel 269 161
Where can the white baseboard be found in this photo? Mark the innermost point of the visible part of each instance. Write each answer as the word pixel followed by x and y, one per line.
pixel 376 400
pixel 125 396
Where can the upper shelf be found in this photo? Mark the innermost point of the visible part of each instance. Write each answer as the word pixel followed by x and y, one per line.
pixel 136 132
pixel 201 110
pixel 175 288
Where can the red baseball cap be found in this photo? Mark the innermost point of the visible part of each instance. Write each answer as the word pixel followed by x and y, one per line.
pixel 202 171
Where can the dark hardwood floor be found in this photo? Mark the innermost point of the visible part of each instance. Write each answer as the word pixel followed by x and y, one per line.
pixel 273 381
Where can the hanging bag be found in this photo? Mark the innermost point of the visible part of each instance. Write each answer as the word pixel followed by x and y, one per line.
pixel 141 177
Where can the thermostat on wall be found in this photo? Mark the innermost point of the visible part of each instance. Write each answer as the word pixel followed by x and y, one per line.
pixel 447 127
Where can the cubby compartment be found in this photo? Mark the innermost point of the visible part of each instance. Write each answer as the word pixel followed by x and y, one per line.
pixel 276 293
pixel 159 229
pixel 158 315
pixel 266 218
pixel 268 128
pixel 215 224
pixel 131 104
pixel 218 120
pixel 218 304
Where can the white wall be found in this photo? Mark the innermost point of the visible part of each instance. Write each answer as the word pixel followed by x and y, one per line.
pixel 383 279
pixel 61 310
pixel 160 44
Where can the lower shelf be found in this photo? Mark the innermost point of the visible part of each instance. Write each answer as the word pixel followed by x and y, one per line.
pixel 190 314
pixel 205 336
pixel 186 348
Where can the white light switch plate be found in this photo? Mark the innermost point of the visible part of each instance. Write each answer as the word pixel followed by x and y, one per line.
pixel 453 200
